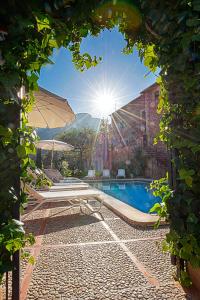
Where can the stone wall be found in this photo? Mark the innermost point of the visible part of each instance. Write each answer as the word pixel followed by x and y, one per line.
pixel 134 127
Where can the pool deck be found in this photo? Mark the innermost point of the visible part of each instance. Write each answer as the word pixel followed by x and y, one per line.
pixel 81 257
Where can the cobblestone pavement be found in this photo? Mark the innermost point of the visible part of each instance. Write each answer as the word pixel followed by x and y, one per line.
pixel 80 257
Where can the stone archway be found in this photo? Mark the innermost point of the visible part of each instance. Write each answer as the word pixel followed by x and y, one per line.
pixel 167 36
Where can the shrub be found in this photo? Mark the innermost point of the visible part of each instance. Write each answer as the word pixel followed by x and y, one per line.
pixel 65 171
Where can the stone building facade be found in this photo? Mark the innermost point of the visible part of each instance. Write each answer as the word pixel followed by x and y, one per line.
pixel 133 129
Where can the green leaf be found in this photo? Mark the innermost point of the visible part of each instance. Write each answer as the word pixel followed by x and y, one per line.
pixel 88 64
pixel 165 246
pixel 187 176
pixel 31 239
pixel 189 181
pixel 13 245
pixel 53 43
pixel 159 80
pixel 35 65
pixel 21 151
pixel 6 132
pixel 84 32
pixel 155 208
pixel 43 23
pixel 33 78
pixel 31 260
pixel 185 279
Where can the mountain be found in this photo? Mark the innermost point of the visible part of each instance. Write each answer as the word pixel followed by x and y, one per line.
pixel 83 120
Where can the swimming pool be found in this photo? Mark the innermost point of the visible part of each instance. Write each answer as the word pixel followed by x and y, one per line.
pixel 136 194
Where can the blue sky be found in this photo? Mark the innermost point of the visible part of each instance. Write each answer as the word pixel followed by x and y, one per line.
pixel 123 76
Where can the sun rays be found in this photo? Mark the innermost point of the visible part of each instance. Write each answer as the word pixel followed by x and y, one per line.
pixel 120 119
pixel 104 100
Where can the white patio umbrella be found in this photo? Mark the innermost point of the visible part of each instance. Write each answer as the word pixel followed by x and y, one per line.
pixel 50 111
pixel 53 145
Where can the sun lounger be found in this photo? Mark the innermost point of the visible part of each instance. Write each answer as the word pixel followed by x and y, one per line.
pixel 53 174
pixel 38 173
pixel 74 198
pixel 68 187
pixel 106 173
pixel 64 186
pixel 121 173
pixel 56 177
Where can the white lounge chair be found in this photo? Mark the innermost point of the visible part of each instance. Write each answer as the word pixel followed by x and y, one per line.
pixel 57 178
pixel 121 173
pixel 68 187
pixel 91 174
pixel 79 185
pixel 106 173
pixel 53 174
pixel 74 198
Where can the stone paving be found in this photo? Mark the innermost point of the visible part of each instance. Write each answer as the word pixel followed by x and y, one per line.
pixel 80 257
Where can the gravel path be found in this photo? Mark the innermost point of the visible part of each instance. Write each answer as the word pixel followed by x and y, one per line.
pixel 83 258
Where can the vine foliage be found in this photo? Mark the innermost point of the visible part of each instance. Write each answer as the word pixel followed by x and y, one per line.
pixel 167 36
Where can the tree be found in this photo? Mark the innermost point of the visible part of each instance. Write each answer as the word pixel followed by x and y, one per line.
pixel 83 142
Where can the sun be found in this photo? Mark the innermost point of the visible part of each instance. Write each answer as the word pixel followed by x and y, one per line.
pixel 105 102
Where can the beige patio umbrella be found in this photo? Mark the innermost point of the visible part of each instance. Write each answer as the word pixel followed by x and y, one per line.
pixel 50 111
pixel 53 145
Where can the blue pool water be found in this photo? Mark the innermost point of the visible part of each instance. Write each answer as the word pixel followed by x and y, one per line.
pixel 136 194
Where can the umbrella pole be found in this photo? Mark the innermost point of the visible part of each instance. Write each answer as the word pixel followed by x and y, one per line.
pixel 52 156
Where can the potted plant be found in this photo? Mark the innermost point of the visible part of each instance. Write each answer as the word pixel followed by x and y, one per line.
pixel 194 274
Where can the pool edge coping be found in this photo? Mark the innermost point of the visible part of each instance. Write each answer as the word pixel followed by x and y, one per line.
pixel 129 213
pixel 140 179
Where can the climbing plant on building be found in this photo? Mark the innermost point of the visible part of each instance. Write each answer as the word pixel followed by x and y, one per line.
pixel 167 36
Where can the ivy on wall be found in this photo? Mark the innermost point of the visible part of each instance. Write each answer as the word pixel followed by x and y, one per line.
pixel 177 49
pixel 167 36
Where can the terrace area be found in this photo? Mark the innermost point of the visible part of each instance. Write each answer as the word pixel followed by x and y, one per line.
pixel 84 257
